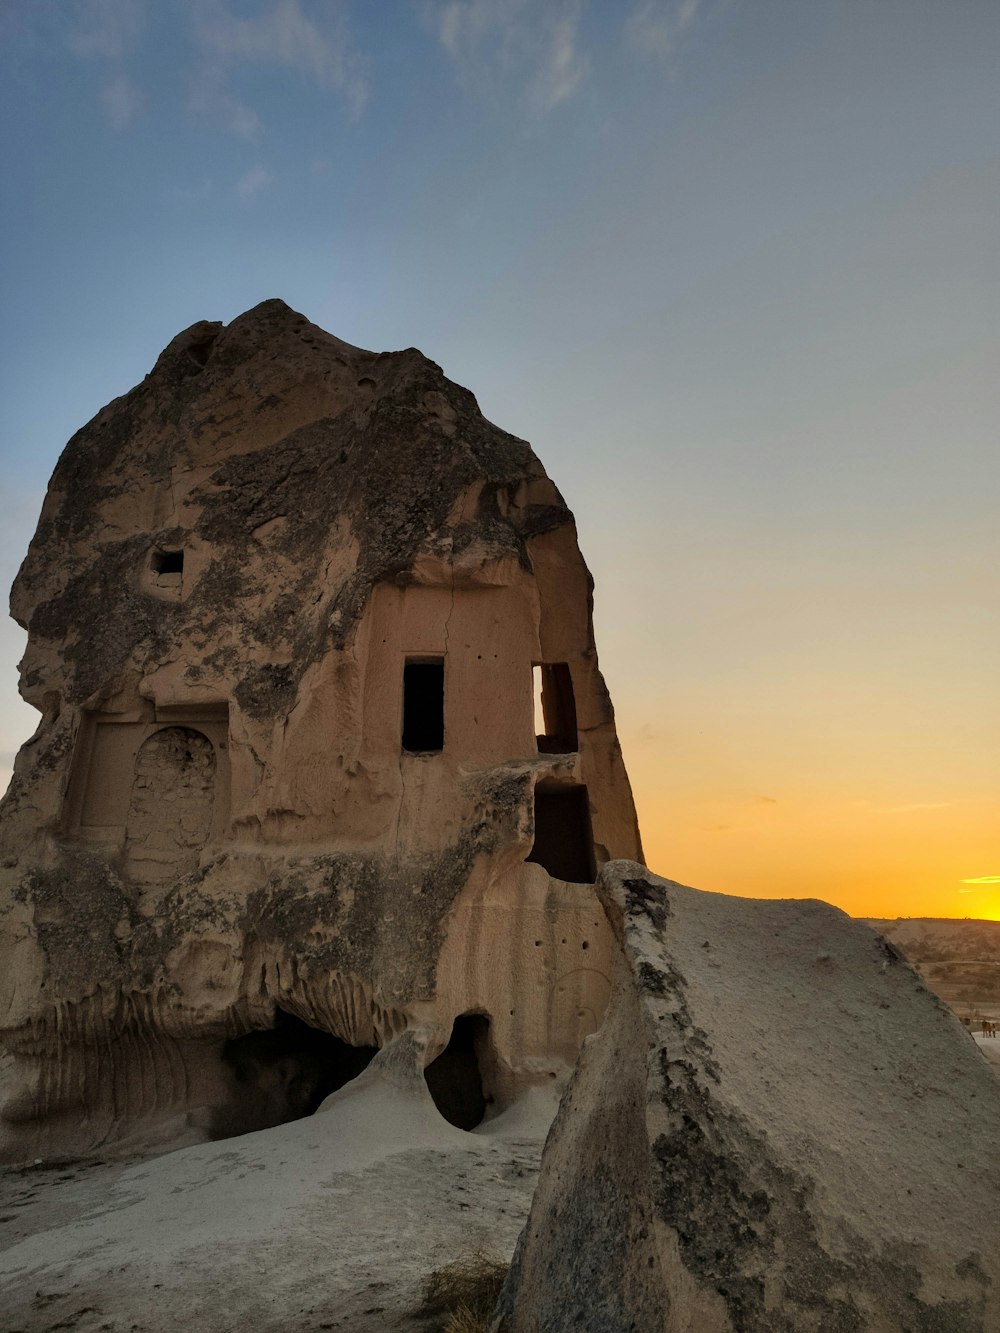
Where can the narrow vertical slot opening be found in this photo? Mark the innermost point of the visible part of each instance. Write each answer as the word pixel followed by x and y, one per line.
pixel 423 705
pixel 555 709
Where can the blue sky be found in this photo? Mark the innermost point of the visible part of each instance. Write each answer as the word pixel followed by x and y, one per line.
pixel 732 267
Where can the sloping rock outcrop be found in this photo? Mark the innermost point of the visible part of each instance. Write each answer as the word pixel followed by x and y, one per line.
pixel 777 1127
pixel 284 605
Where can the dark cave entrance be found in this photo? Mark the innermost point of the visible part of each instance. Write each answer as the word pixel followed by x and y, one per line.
pixel 283 1073
pixel 455 1078
pixel 564 842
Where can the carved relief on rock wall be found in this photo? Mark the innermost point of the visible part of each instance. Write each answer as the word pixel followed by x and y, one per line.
pixel 155 790
pixel 170 811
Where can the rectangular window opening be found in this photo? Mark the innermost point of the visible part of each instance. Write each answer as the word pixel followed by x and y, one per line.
pixel 564 842
pixel 423 706
pixel 555 709
pixel 168 562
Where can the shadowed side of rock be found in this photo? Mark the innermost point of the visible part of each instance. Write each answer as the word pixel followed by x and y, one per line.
pixel 777 1127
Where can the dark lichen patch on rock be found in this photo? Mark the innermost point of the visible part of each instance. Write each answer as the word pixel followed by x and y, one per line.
pixel 650 899
pixel 267 690
pixel 76 907
pixel 652 979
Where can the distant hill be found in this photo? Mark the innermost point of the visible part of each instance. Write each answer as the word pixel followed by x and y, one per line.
pixel 959 960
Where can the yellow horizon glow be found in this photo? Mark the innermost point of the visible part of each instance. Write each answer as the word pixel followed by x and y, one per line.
pixel 869 858
pixel 895 816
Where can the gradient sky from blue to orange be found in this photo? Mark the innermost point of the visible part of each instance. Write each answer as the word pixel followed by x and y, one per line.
pixel 732 267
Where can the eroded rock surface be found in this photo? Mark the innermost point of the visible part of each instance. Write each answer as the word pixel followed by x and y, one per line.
pixel 284 605
pixel 778 1127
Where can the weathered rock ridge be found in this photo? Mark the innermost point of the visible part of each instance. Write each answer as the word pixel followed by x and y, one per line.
pixel 283 604
pixel 777 1127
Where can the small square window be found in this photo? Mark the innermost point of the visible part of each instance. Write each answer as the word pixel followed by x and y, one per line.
pixel 167 562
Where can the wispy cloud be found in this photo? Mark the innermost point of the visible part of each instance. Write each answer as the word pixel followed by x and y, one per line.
pixel 981 879
pixel 108 28
pixel 657 27
pixel 281 34
pixel 533 46
pixel 121 100
pixel 252 182
pixel 210 97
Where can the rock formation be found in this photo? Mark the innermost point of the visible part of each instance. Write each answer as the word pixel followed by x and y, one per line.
pixel 777 1127
pixel 287 799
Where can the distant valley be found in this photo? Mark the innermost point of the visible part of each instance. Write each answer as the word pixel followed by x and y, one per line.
pixel 958 959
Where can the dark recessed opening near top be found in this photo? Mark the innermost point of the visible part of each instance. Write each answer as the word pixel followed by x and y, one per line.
pixel 200 351
pixel 455 1078
pixel 555 709
pixel 167 562
pixel 564 843
pixel 284 1073
pixel 423 705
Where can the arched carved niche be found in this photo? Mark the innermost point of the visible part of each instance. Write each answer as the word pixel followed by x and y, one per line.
pixel 170 810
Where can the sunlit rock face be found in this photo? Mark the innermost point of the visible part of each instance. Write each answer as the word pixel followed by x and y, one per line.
pixel 778 1127
pixel 284 604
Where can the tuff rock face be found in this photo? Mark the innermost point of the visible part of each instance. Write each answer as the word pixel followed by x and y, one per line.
pixel 286 801
pixel 777 1127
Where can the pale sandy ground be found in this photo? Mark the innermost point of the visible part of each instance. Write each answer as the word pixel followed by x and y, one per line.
pixel 331 1222
pixel 990 1047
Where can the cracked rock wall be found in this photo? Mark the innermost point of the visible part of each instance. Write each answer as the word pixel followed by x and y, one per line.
pixel 216 818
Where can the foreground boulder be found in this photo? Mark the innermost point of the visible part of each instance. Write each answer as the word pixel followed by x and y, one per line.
pixel 778 1127
pixel 287 798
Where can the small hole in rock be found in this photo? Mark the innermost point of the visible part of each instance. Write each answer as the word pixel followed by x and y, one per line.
pixel 167 562
pixel 200 351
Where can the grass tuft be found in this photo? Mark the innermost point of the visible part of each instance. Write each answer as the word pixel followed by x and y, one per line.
pixel 461 1296
pixel 463 1320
